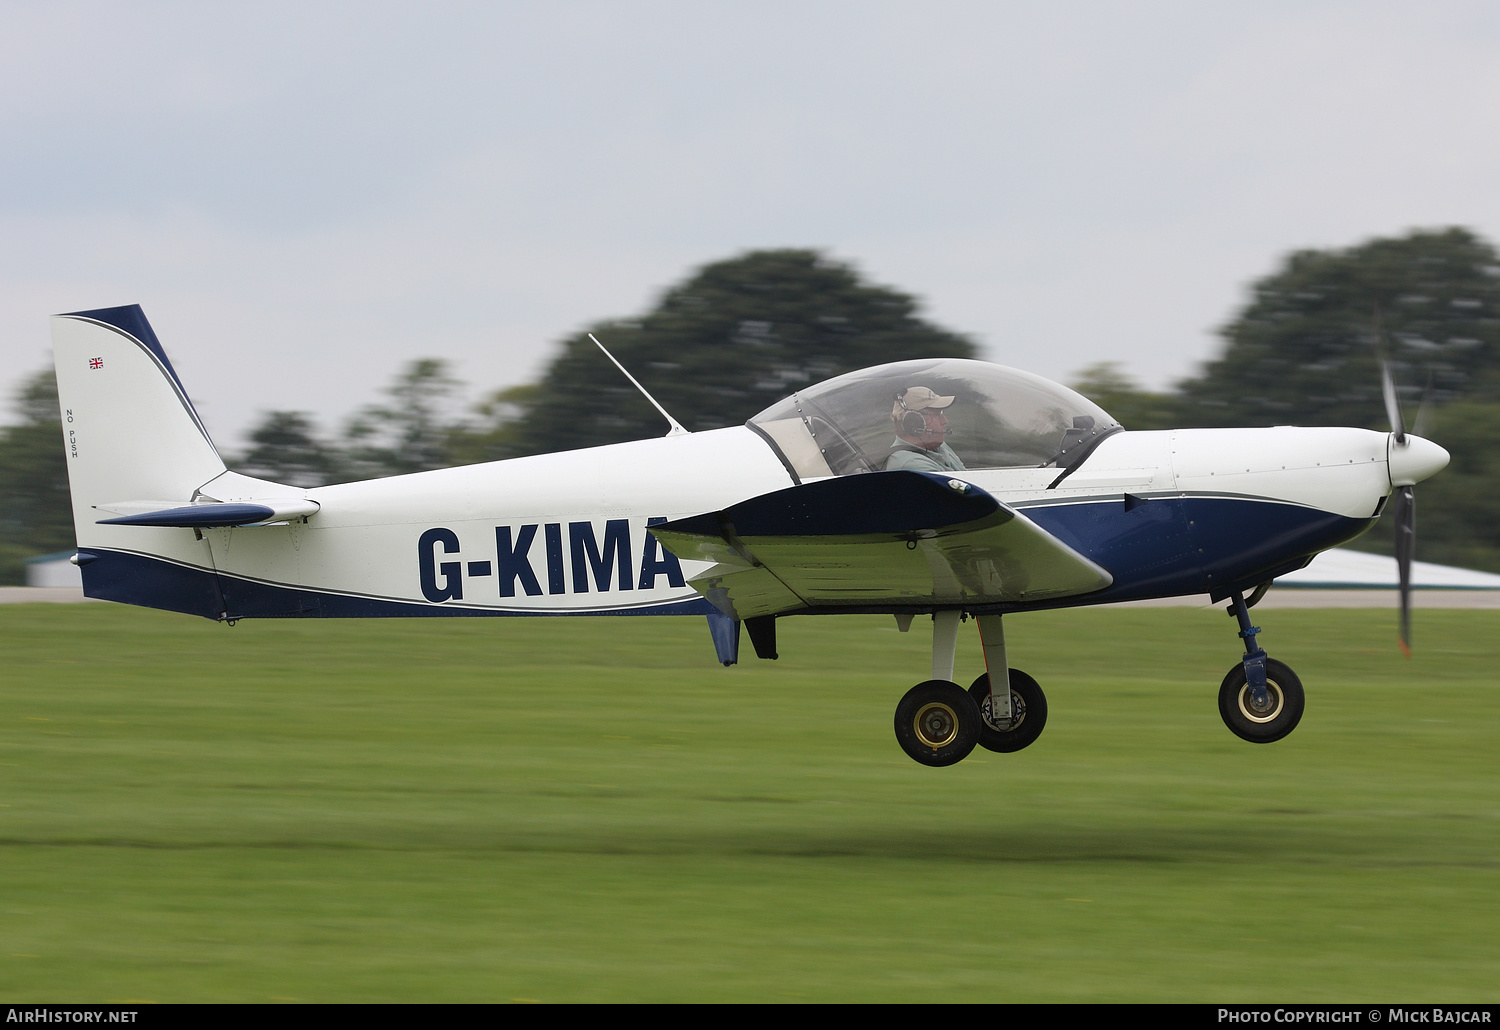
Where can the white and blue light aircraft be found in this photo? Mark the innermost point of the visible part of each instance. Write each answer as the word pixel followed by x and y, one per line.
pixel 1045 502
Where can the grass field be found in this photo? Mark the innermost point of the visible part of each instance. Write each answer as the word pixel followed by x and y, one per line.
pixel 592 810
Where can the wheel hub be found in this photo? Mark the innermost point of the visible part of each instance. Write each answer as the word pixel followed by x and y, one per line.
pixel 1261 713
pixel 935 724
pixel 1017 713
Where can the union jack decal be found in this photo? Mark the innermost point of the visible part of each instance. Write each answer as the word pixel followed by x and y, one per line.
pixel 96 362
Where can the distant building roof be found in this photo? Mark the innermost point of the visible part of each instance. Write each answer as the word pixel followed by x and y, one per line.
pixel 1356 570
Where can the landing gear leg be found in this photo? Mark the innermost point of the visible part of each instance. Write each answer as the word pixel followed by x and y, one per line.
pixel 1261 699
pixel 944 644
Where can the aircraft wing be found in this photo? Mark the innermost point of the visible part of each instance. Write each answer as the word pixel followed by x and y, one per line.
pixel 896 539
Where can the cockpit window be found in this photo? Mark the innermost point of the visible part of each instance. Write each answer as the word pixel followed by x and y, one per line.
pixel 997 417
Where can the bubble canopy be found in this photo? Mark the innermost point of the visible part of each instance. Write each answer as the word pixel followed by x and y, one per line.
pixel 1000 418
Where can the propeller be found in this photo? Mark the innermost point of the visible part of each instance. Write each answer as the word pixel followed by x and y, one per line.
pixel 1411 459
pixel 1404 504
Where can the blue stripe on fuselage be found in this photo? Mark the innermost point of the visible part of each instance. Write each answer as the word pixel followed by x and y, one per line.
pixel 154 583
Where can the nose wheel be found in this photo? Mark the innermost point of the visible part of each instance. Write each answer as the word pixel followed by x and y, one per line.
pixel 1262 719
pixel 1261 699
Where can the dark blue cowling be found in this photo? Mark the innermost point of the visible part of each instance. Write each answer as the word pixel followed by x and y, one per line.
pixel 1169 546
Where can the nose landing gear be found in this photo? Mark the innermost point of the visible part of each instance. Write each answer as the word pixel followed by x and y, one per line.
pixel 1261 699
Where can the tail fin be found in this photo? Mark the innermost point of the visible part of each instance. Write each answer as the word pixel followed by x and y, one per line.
pixel 129 431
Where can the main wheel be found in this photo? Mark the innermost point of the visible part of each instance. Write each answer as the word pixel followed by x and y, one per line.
pixel 1271 721
pixel 937 723
pixel 1028 713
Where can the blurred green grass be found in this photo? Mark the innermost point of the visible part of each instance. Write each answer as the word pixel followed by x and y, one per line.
pixel 593 810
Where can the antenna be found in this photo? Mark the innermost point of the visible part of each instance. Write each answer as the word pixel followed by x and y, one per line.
pixel 676 429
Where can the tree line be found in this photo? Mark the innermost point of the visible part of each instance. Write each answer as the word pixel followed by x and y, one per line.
pixel 739 334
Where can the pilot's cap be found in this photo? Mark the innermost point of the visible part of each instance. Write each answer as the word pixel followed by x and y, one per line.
pixel 918 398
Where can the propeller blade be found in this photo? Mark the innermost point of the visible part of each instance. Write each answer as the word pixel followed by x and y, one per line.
pixel 1405 514
pixel 1418 427
pixel 1388 385
pixel 1392 404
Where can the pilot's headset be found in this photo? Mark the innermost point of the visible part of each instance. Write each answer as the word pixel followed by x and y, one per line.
pixel 912 423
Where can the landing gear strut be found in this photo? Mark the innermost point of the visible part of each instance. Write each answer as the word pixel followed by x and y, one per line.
pixel 938 722
pixel 1261 699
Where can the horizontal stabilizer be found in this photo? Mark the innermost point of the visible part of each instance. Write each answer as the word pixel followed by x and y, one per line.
pixel 883 540
pixel 216 513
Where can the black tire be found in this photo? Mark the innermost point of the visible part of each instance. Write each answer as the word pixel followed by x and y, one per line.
pixel 937 723
pixel 1028 707
pixel 1285 697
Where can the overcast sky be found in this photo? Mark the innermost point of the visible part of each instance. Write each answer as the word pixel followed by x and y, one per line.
pixel 305 196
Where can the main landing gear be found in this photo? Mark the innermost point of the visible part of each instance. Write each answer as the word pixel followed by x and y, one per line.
pixel 938 722
pixel 1260 699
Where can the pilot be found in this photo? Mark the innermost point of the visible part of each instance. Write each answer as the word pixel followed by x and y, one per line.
pixel 921 431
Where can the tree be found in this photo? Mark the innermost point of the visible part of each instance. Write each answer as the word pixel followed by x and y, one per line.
pixel 36 512
pixel 411 433
pixel 1456 522
pixel 1303 350
pixel 735 337
pixel 495 425
pixel 286 450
